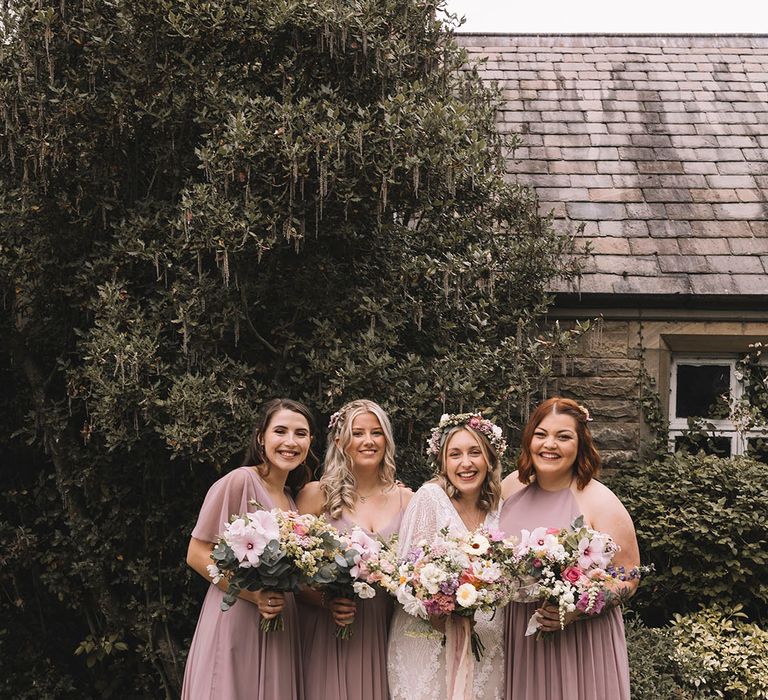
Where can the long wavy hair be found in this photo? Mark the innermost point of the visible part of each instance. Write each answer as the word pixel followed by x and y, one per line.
pixel 490 492
pixel 255 455
pixel 338 482
pixel 587 463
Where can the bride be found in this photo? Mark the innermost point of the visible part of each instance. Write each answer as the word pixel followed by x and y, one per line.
pixel 464 495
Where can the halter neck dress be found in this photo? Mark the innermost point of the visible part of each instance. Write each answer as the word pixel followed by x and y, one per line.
pixel 353 668
pixel 230 656
pixel 587 660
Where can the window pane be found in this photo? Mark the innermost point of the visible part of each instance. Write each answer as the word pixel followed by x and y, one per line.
pixel 757 448
pixel 703 391
pixel 711 445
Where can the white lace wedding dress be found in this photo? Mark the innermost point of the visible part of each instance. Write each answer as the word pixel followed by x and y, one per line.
pixel 416 659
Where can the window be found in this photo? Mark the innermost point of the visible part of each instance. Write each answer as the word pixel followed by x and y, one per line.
pixel 703 394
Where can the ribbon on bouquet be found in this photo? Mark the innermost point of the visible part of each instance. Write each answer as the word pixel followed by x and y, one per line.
pixel 460 663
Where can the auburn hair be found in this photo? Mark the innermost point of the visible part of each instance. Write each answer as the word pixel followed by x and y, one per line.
pixel 587 463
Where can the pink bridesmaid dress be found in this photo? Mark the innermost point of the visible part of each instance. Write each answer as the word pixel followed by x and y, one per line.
pixel 587 660
pixel 230 657
pixel 353 668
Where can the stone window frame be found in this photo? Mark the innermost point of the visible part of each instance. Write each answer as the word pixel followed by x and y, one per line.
pixel 722 427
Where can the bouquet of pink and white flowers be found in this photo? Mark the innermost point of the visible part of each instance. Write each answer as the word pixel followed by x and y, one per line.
pixel 275 550
pixel 362 564
pixel 571 568
pixel 455 575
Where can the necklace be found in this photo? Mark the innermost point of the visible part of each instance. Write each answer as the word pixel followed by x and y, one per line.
pixel 376 492
pixel 471 521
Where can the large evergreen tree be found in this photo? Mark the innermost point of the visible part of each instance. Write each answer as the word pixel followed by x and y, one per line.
pixel 204 204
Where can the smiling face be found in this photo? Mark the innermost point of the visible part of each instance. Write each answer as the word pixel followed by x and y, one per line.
pixel 465 464
pixel 286 440
pixel 367 443
pixel 554 446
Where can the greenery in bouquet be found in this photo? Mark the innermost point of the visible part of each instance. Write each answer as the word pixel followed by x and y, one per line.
pixel 363 564
pixel 454 575
pixel 572 569
pixel 274 550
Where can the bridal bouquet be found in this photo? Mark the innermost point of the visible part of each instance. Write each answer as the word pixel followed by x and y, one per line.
pixel 455 575
pixel 362 563
pixel 571 568
pixel 276 550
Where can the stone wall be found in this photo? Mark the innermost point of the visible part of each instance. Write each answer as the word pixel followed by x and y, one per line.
pixel 603 376
pixel 605 373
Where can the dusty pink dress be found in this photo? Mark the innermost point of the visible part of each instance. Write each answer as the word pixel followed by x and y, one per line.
pixel 354 668
pixel 230 657
pixel 587 660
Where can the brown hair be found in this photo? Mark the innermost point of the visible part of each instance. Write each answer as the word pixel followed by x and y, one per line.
pixel 254 454
pixel 490 493
pixel 587 464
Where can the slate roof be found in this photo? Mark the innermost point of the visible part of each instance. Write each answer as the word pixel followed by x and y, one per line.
pixel 658 144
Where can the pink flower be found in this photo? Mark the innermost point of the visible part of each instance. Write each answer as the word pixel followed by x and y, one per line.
pixel 496 535
pixel 300 530
pixel 365 546
pixel 440 604
pixel 536 563
pixel 597 551
pixel 249 537
pixel 572 574
pixel 597 606
pixel 553 531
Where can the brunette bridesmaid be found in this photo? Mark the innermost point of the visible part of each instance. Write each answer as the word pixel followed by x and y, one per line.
pixel 555 483
pixel 230 656
pixel 357 489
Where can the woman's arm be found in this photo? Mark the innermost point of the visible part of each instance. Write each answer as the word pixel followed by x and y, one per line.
pixel 604 512
pixel 269 603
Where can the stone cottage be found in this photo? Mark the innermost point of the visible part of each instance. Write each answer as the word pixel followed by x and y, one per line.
pixel 658 147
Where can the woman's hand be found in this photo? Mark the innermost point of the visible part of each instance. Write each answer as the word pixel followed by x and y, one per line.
pixel 438 622
pixel 269 603
pixel 549 617
pixel 343 611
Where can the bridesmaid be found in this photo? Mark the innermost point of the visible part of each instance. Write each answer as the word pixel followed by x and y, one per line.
pixel 357 488
pixel 230 656
pixel 554 484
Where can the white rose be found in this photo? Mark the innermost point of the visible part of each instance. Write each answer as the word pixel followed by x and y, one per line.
pixel 466 595
pixel 431 577
pixel 363 590
pixel 411 604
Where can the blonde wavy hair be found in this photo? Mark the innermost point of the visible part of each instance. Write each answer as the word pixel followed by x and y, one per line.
pixel 338 482
pixel 490 493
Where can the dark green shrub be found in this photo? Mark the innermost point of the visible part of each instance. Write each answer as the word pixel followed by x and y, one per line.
pixel 703 522
pixel 204 205
pixel 653 672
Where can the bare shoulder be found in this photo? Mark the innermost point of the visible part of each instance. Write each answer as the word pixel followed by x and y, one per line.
pixel 598 495
pixel 603 510
pixel 511 485
pixel 311 499
pixel 406 494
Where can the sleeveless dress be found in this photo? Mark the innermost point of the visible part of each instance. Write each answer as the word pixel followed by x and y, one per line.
pixel 353 668
pixel 230 656
pixel 416 662
pixel 585 661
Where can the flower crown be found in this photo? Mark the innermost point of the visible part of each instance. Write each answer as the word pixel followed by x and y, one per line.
pixel 336 421
pixel 475 421
pixel 585 412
